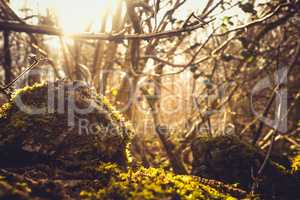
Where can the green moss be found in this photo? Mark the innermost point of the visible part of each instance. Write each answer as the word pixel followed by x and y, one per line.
pixel 296 165
pixel 26 89
pixel 128 153
pixel 24 186
pixel 152 183
pixel 112 109
pixel 115 114
pixel 104 138
pixel 18 190
pixel 4 109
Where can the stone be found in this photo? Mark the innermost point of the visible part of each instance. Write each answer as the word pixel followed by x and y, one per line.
pixel 233 161
pixel 65 122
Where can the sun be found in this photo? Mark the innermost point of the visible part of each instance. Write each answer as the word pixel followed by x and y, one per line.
pixel 75 16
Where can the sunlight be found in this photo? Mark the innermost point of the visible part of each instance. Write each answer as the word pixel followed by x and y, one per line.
pixel 74 16
pixel 77 16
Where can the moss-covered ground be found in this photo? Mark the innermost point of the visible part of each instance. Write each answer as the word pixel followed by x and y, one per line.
pixel 42 158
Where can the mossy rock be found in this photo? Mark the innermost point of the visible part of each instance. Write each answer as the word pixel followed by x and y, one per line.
pixel 77 126
pixel 228 159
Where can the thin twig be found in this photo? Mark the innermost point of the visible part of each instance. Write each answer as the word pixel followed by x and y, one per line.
pixel 275 131
pixel 255 22
pixel 30 67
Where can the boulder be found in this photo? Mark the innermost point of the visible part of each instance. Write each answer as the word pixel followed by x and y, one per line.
pixel 66 123
pixel 233 161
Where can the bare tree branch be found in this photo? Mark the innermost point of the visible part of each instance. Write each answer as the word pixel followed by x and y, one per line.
pixel 47 30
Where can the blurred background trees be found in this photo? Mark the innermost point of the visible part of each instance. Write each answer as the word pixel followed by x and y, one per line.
pixel 177 69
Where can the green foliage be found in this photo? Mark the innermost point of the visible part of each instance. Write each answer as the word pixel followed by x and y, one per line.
pixel 226 21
